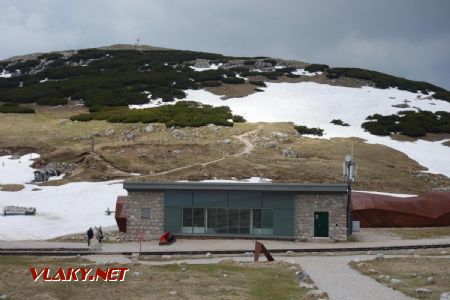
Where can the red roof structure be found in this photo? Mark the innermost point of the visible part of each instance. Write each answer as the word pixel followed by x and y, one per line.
pixel 374 210
pixel 121 213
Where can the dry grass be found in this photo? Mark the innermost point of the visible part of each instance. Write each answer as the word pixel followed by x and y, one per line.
pixel 413 271
pixel 242 281
pixel 421 233
pixel 57 139
pixel 11 187
pixel 232 90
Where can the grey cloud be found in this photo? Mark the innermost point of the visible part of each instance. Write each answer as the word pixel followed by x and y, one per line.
pixel 408 38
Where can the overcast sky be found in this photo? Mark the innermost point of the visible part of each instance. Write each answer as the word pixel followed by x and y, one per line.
pixel 409 38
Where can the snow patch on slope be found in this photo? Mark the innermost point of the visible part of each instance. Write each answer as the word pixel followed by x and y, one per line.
pixel 305 73
pixel 211 67
pixel 5 74
pixel 315 105
pixel 17 171
pixel 61 210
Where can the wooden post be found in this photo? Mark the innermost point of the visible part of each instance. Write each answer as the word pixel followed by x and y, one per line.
pixel 92 143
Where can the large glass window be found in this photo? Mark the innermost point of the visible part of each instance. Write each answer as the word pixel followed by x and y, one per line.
pixel 262 221
pixel 227 221
pixel 199 220
pixel 233 220
pixel 211 216
pixel 257 218
pixel 244 221
pixel 267 218
pixel 187 220
pixel 222 223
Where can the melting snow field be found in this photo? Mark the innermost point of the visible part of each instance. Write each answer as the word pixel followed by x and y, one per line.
pixel 17 171
pixel 61 210
pixel 315 105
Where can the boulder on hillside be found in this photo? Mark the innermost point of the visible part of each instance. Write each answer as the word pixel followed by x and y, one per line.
pixel 202 63
pixel 290 153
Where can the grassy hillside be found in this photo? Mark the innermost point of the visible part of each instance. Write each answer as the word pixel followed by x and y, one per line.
pixel 123 148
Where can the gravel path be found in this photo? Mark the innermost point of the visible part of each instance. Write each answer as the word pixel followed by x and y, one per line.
pixel 242 138
pixel 334 275
pixel 330 274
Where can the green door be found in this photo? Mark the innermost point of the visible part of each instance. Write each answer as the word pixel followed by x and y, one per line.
pixel 321 224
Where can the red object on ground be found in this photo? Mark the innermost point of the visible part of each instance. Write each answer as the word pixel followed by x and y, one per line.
pixel 429 209
pixel 121 213
pixel 166 239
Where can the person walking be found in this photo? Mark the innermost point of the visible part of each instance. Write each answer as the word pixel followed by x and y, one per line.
pixel 100 234
pixel 90 235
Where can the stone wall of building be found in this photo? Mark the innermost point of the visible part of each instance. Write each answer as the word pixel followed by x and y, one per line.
pixel 307 204
pixel 153 227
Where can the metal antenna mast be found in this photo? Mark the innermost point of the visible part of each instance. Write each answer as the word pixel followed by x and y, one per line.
pixel 349 172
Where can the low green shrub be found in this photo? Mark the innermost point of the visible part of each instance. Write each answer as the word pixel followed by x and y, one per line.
pixel 271 61
pixel 183 114
pixel 316 68
pixel 208 75
pixel 211 83
pixel 410 123
pixel 12 108
pixel 23 66
pixel 306 130
pixel 339 122
pixel 258 83
pixel 238 119
pixel 271 75
pixel 50 56
pixel 292 76
pixel 385 81
pixel 442 95
pixel 233 80
pixel 286 70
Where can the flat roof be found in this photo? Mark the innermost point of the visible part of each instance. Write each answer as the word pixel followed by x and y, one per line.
pixel 231 186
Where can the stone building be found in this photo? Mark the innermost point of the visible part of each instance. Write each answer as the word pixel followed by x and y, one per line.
pixel 261 210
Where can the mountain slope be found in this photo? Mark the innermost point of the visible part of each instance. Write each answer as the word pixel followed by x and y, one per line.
pixel 113 83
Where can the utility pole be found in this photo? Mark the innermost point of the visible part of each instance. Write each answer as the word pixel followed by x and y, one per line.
pixel 349 172
pixel 92 143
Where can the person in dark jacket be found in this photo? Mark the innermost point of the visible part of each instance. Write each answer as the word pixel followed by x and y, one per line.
pixel 100 236
pixel 90 235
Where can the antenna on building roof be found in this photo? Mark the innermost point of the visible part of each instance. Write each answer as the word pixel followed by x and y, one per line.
pixel 349 168
pixel 262 180
pixel 349 172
